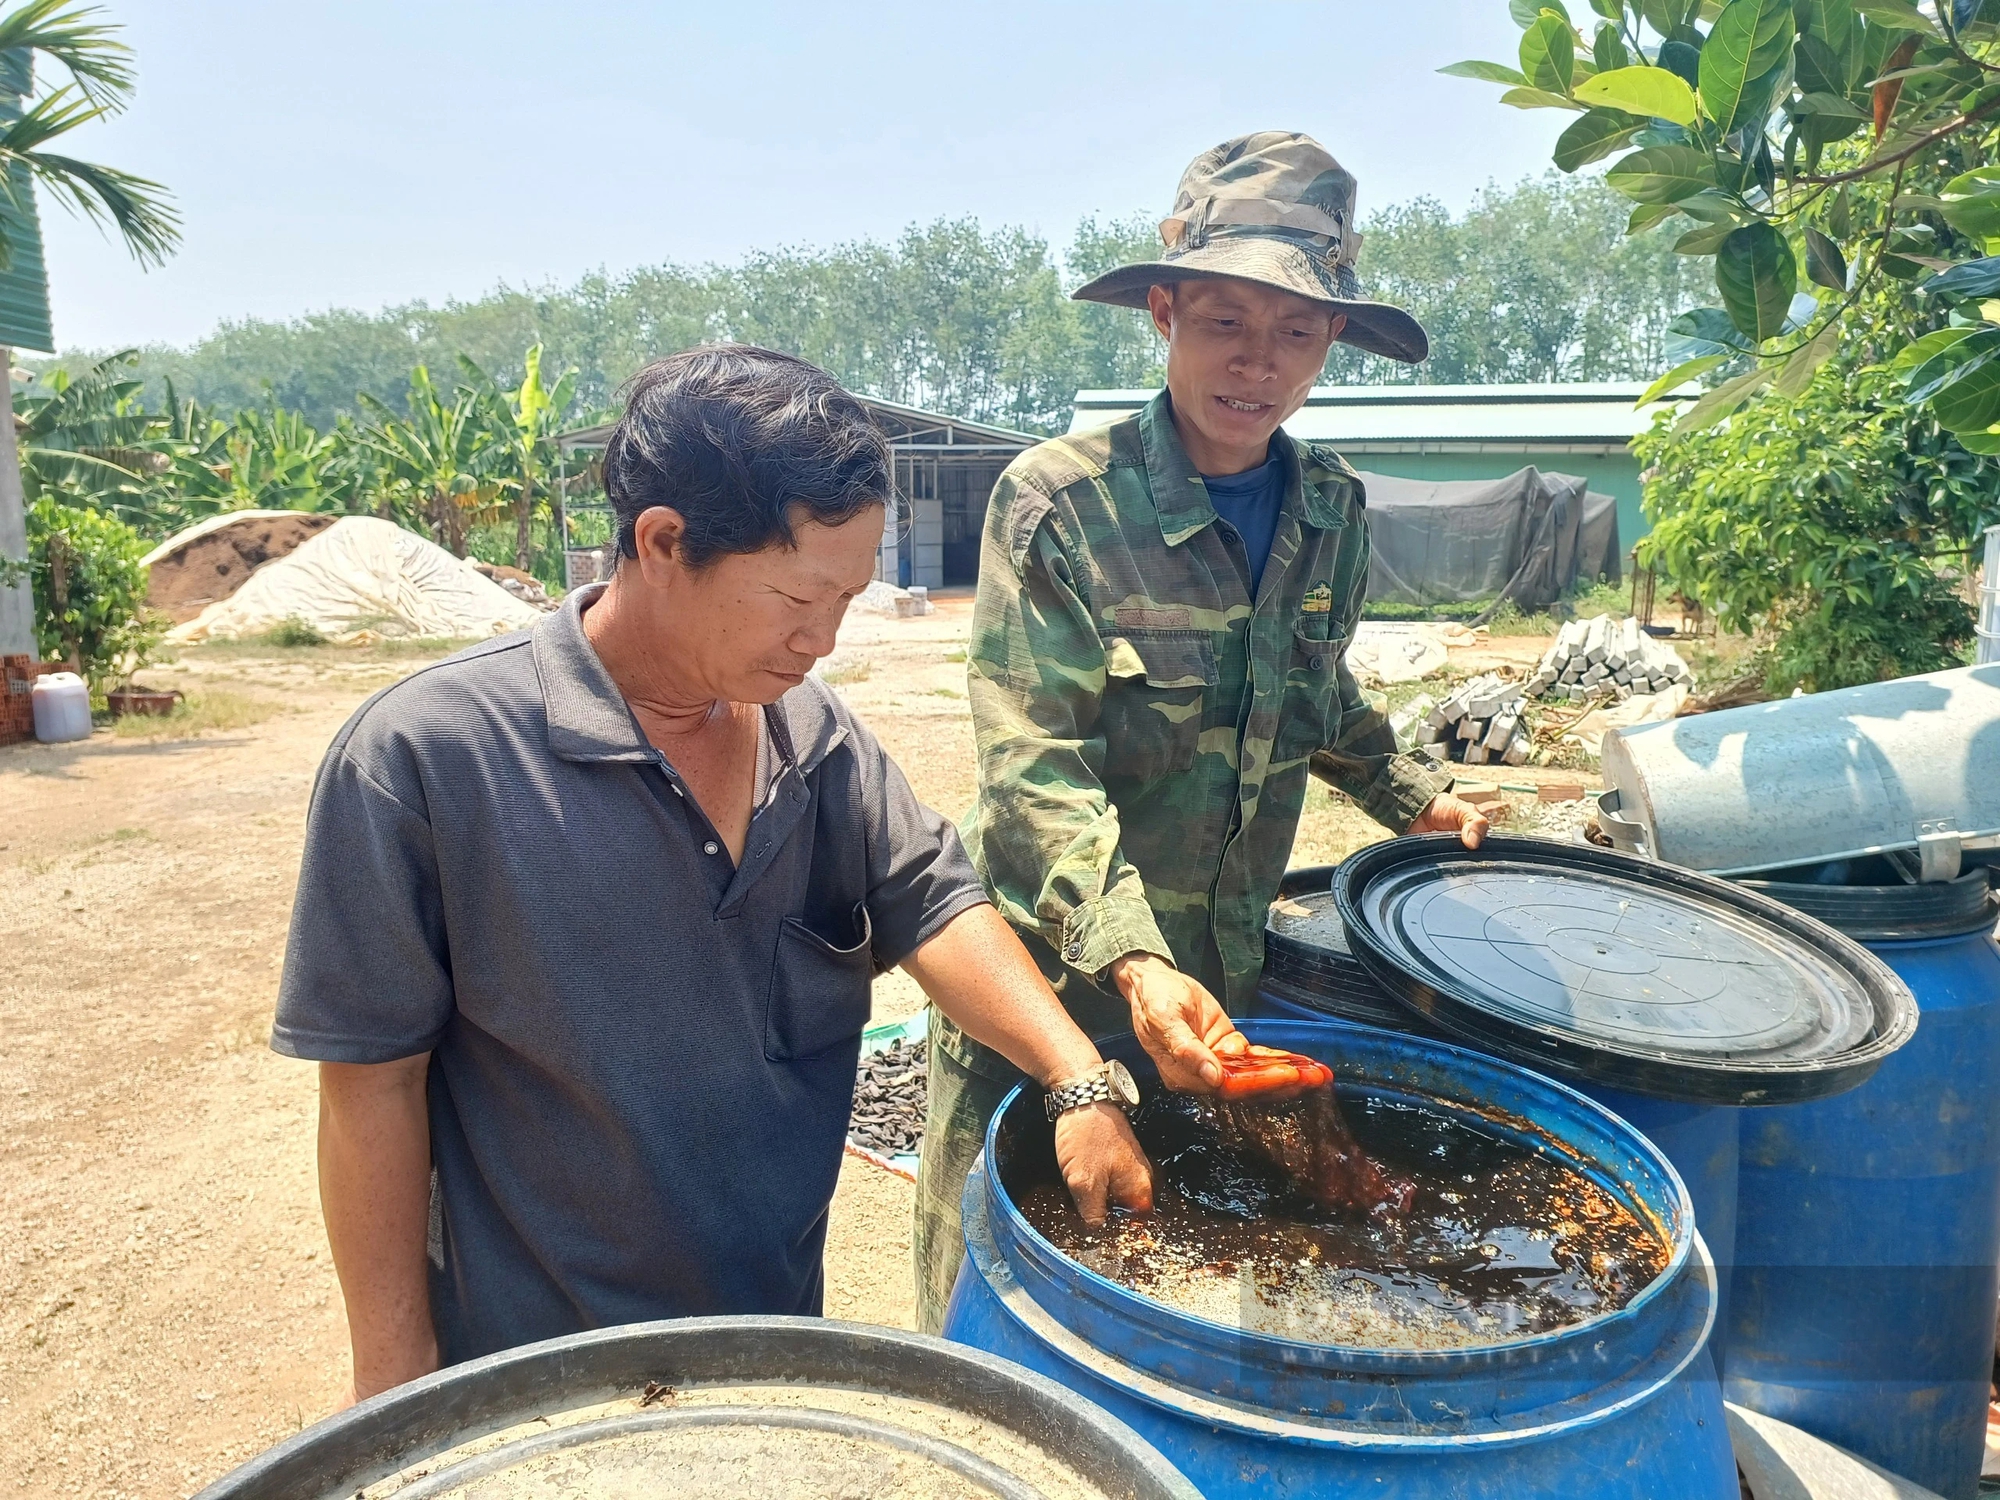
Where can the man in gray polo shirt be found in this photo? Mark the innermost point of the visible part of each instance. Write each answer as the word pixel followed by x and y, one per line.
pixel 588 915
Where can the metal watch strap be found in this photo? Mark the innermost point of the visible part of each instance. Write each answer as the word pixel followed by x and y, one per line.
pixel 1093 1087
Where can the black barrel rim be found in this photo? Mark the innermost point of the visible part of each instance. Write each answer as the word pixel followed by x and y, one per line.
pixel 438 1413
pixel 1307 958
pixel 1711 994
pixel 1892 913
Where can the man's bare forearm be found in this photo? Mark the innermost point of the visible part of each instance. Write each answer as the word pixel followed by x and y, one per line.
pixel 977 973
pixel 374 1188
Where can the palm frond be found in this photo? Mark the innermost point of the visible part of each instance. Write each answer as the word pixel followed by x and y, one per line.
pixel 137 207
pixel 71 35
pixel 53 114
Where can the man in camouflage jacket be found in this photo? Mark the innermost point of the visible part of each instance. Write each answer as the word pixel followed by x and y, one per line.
pixel 1146 715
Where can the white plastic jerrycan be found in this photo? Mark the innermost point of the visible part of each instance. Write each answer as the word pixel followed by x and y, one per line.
pixel 62 708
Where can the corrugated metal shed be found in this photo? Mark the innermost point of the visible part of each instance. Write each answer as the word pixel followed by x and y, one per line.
pixel 1445 432
pixel 24 281
pixel 945 467
pixel 1411 418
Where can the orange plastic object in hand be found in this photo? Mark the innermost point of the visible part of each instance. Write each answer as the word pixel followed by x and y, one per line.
pixel 1267 1070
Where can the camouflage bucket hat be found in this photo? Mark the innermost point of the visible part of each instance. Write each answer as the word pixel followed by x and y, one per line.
pixel 1274 208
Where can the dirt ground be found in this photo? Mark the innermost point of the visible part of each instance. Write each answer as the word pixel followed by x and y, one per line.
pixel 167 1303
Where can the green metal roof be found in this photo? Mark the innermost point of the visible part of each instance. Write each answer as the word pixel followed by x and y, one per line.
pixel 1588 418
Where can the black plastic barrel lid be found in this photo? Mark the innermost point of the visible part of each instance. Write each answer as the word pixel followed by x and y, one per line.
pixel 1305 944
pixel 1309 921
pixel 1620 971
pixel 1864 899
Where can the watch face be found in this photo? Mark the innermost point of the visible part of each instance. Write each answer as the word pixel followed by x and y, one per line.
pixel 1124 1088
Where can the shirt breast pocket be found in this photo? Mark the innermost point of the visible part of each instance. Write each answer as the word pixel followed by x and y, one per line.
pixel 1155 692
pixel 820 989
pixel 1309 719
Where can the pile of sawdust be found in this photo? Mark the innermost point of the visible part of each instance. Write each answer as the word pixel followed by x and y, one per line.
pixel 210 561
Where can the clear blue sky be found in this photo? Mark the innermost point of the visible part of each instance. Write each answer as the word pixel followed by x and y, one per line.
pixel 367 152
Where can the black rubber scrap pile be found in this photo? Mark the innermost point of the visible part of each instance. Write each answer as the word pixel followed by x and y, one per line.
pixel 889 1092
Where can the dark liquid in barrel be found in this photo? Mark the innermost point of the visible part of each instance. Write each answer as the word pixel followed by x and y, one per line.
pixel 1499 1241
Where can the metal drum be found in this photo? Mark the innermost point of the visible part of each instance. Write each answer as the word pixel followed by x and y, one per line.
pixel 1909 766
pixel 1625 1404
pixel 1869 1229
pixel 728 1408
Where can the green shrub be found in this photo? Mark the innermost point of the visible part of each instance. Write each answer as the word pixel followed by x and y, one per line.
pixel 90 592
pixel 1835 523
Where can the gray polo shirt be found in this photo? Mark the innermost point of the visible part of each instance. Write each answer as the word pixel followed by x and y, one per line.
pixel 642 1056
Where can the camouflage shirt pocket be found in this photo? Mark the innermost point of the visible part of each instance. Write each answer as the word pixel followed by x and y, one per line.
pixel 1309 716
pixel 1156 689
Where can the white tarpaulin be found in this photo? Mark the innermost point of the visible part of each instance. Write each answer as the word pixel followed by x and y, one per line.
pixel 1641 708
pixel 365 574
pixel 1385 651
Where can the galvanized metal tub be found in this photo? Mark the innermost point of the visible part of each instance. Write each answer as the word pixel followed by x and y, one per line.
pixel 767 1405
pixel 1622 1405
pixel 1910 765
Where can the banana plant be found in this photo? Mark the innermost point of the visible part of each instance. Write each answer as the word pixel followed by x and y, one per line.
pixel 525 421
pixel 437 459
pixel 276 461
pixel 1791 140
pixel 86 438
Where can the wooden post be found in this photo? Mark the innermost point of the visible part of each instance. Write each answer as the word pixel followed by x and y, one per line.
pixel 17 598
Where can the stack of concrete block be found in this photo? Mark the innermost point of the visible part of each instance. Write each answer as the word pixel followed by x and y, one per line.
pixel 1606 658
pixel 1481 723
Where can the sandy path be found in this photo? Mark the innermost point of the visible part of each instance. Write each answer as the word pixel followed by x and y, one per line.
pixel 167 1304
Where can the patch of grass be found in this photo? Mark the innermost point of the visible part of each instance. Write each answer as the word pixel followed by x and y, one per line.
pixel 211 710
pixel 1388 609
pixel 262 648
pixel 1614 599
pixel 947 693
pixel 858 670
pixel 293 631
pixel 1599 599
pixel 1508 620
pixel 396 650
pixel 958 655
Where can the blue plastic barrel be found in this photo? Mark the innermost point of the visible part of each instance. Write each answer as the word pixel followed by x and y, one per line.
pixel 1699 1139
pixel 1869 1225
pixel 1623 1405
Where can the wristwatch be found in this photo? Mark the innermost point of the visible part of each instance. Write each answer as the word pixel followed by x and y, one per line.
pixel 1107 1083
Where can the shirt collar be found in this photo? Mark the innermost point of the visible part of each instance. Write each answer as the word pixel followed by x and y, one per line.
pixel 1181 499
pixel 589 719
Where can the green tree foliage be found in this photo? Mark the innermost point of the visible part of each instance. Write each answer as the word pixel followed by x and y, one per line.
pixel 1536 282
pixel 262 459
pixel 1796 143
pixel 90 591
pixel 1834 521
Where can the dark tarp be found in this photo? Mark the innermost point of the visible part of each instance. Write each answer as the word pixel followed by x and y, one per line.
pixel 1531 537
